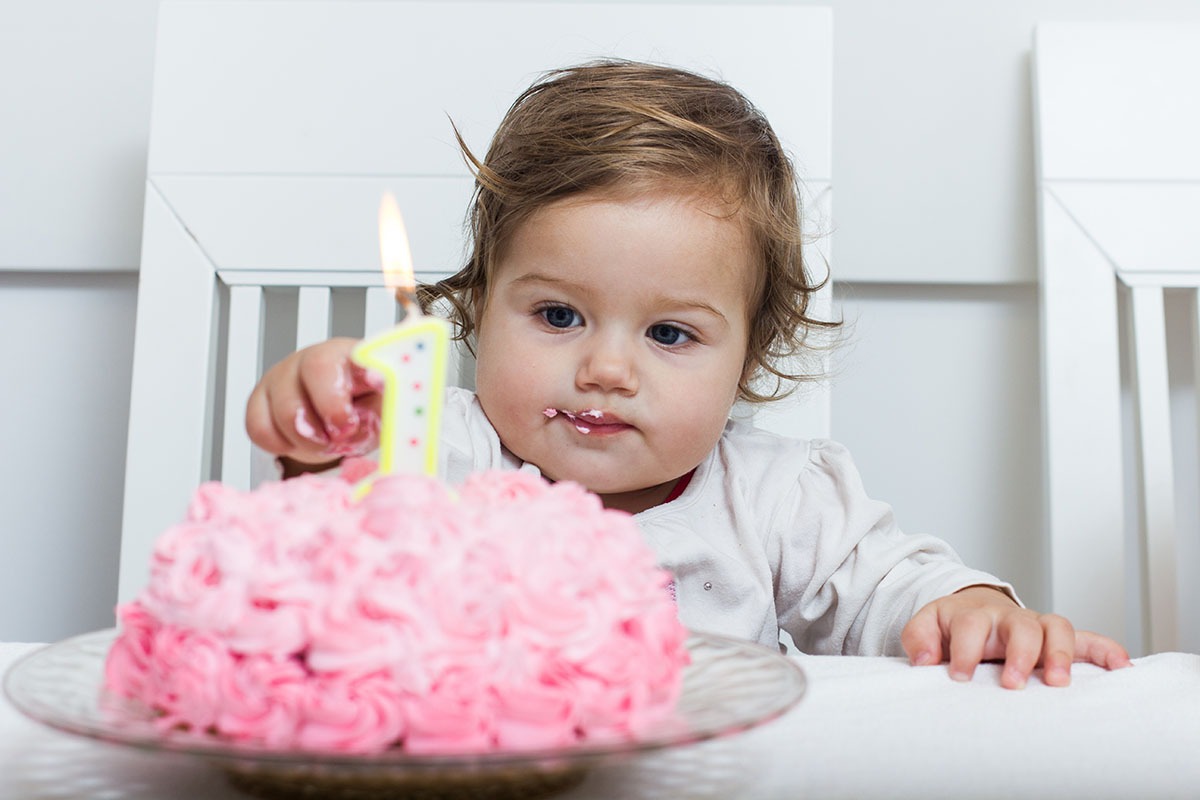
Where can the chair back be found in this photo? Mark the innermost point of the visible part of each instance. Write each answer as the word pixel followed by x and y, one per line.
pixel 1117 113
pixel 277 127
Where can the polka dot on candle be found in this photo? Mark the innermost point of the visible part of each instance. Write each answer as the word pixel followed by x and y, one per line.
pixel 406 358
pixel 414 442
pixel 416 386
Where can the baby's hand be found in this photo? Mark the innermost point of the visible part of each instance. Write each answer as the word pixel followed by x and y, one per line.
pixel 316 405
pixel 982 623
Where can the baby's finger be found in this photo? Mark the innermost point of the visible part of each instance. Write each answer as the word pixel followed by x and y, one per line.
pixel 969 632
pixel 296 422
pixel 1023 648
pixel 261 425
pixel 1058 650
pixel 325 379
pixel 364 381
pixel 306 423
pixel 1100 650
pixel 922 638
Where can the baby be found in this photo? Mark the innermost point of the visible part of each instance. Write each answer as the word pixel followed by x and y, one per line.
pixel 636 269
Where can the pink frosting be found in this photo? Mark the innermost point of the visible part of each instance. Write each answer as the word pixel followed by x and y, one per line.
pixel 513 615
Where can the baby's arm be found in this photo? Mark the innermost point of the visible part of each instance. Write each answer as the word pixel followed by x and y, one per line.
pixel 849 581
pixel 982 623
pixel 316 406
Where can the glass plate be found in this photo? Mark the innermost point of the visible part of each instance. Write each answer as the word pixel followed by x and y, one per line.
pixel 730 686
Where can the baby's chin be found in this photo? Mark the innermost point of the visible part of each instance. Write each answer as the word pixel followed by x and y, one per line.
pixel 601 485
pixel 597 478
pixel 608 488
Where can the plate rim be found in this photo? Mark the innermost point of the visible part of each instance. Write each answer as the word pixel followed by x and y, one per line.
pixel 396 758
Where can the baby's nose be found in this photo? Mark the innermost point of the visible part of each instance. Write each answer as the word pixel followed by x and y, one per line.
pixel 609 365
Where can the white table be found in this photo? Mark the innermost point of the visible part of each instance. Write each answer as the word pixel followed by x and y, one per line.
pixel 868 727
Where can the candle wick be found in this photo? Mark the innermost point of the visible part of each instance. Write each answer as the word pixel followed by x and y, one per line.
pixel 408 301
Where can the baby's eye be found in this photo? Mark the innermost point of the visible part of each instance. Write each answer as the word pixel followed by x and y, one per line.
pixel 561 317
pixel 668 334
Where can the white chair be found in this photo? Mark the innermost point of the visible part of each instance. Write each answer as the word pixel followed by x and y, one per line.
pixel 275 129
pixel 1117 126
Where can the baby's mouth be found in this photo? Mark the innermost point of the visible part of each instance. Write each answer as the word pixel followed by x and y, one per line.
pixel 588 420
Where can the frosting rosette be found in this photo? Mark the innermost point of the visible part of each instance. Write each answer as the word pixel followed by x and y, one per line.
pixel 510 615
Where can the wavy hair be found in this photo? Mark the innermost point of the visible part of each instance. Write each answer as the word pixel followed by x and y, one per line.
pixel 612 125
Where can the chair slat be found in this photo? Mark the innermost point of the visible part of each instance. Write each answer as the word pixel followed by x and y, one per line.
pixel 1081 406
pixel 1156 472
pixel 312 315
pixel 1194 308
pixel 170 414
pixel 379 312
pixel 242 366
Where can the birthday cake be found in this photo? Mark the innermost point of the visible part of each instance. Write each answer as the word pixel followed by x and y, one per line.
pixel 510 614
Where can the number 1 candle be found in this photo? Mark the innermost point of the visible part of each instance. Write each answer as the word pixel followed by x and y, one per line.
pixel 412 359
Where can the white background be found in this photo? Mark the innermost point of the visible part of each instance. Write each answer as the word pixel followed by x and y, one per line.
pixel 936 390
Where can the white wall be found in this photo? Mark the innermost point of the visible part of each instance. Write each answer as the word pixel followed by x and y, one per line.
pixel 934 229
pixel 75 81
pixel 65 352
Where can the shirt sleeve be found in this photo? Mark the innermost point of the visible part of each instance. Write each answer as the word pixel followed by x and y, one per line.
pixel 847 578
pixel 467 441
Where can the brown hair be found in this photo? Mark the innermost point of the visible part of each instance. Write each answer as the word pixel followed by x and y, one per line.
pixel 610 124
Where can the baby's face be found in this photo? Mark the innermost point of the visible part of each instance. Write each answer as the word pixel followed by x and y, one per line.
pixel 613 339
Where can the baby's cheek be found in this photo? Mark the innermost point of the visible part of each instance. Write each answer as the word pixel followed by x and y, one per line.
pixel 701 426
pixel 514 424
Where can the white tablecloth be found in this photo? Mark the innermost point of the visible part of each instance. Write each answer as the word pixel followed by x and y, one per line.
pixel 868 727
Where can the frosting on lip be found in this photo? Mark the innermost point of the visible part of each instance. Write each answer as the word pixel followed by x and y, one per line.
pixel 584 420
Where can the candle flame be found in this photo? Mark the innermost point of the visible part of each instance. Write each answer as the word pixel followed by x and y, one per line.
pixel 395 256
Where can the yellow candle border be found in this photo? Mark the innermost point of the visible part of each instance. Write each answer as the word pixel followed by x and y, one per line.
pixel 365 355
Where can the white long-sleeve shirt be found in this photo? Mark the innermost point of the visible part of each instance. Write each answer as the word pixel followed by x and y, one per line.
pixel 771 533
